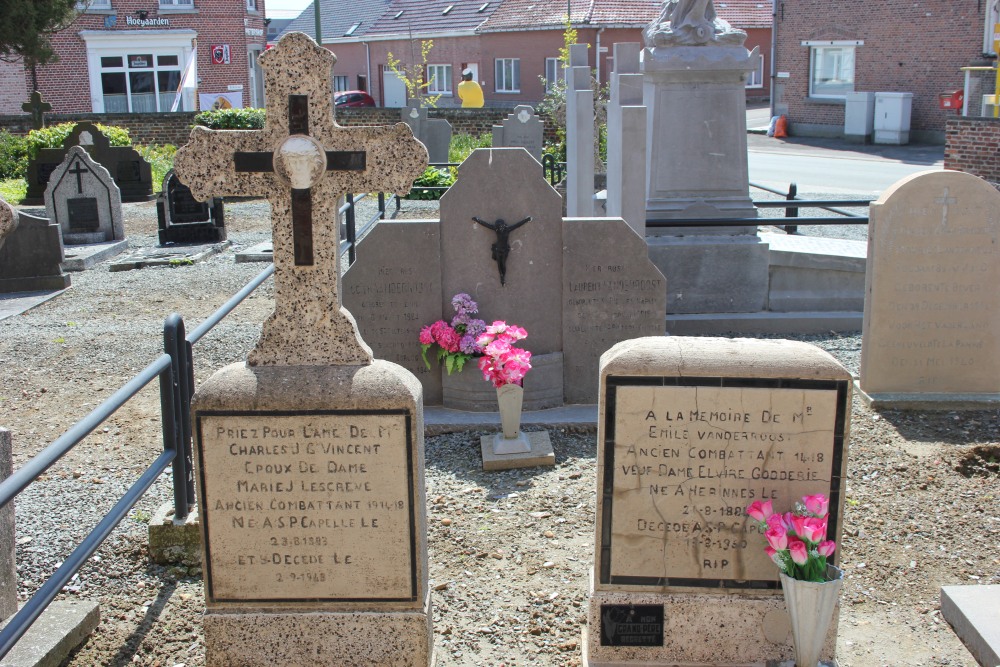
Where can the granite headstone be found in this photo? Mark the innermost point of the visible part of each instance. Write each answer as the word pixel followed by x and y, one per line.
pixel 523 129
pixel 433 133
pixel 84 201
pixel 184 219
pixel 31 254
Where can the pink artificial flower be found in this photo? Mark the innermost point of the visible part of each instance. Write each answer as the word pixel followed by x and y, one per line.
pixel 799 524
pixel 760 511
pixel 826 548
pixel 813 530
pixel 777 538
pixel 798 551
pixel 497 348
pixel 498 327
pixel 776 521
pixel 817 504
pixel 516 332
pixel 449 339
pixel 426 337
pixel 775 556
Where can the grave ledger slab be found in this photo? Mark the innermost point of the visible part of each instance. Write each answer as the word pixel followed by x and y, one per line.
pixel 310 455
pixel 931 330
pixel 690 432
pixel 83 200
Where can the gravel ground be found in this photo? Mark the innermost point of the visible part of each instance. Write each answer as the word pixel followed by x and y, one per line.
pixel 510 552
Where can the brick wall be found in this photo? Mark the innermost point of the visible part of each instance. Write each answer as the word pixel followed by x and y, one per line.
pixel 13 92
pixel 174 128
pixel 913 46
pixel 973 145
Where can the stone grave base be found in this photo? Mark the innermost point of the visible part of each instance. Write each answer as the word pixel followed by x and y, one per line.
pixel 539 451
pixel 927 400
pixel 702 630
pixel 34 284
pixel 63 626
pixel 972 611
pixel 307 639
pixel 261 252
pixel 174 255
pixel 83 257
pixel 712 274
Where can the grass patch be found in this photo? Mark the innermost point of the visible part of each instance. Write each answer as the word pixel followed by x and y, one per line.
pixel 12 190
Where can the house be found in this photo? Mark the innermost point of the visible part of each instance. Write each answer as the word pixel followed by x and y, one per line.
pixel 825 50
pixel 147 56
pixel 512 46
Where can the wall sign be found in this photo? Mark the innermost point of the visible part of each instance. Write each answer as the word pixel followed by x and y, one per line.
pixel 220 54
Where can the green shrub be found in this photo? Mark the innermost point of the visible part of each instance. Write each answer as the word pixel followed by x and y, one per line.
pixel 55 135
pixel 432 177
pixel 160 159
pixel 231 119
pixel 13 156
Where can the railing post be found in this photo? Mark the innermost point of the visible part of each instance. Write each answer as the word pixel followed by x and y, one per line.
pixel 187 393
pixel 381 206
pixel 171 407
pixel 351 231
pixel 792 211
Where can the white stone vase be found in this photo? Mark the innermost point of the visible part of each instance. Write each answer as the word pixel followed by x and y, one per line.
pixel 810 606
pixel 509 398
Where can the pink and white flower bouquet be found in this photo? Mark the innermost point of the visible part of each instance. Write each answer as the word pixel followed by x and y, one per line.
pixel 455 341
pixel 502 362
pixel 796 540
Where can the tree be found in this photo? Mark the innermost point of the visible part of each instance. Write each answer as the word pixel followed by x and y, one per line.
pixel 412 75
pixel 27 26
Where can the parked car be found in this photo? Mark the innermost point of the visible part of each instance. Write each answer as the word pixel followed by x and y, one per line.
pixel 353 98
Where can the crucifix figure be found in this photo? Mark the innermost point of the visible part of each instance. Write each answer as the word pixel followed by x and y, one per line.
pixel 37 108
pixel 303 162
pixel 501 249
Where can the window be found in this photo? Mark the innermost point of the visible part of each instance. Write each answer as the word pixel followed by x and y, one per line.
pixel 553 73
pixel 831 70
pixel 340 83
pixel 755 77
pixel 439 79
pixel 84 5
pixel 139 82
pixel 508 75
pixel 176 3
pixel 252 5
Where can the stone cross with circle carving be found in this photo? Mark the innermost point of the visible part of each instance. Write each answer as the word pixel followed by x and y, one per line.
pixel 303 162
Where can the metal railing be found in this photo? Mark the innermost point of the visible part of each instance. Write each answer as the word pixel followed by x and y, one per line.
pixel 175 370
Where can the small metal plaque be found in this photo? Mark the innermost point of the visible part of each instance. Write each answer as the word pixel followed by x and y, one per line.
pixel 631 625
pixel 83 215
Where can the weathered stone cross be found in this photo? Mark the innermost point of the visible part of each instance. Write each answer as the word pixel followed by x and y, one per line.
pixel 302 161
pixel 37 108
pixel 945 200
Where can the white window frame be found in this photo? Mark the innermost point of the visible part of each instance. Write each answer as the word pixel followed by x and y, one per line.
pixel 86 5
pixel 992 18
pixel 843 50
pixel 176 4
pixel 439 79
pixel 107 43
pixel 251 5
pixel 500 83
pixel 341 82
pixel 555 68
pixel 755 77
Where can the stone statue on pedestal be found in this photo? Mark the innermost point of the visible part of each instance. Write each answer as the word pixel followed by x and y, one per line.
pixel 690 23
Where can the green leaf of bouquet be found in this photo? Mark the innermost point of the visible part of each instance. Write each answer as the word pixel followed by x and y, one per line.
pixel 423 353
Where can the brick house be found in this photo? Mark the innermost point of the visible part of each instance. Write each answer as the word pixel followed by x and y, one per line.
pixel 122 56
pixel 826 49
pixel 511 45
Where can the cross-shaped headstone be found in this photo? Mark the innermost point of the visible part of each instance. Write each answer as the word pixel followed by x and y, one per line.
pixel 303 162
pixel 945 201
pixel 37 108
pixel 78 170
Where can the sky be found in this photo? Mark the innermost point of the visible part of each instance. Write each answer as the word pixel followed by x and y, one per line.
pixel 296 5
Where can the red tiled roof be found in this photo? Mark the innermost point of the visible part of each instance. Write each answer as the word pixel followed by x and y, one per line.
pixel 745 13
pixel 423 16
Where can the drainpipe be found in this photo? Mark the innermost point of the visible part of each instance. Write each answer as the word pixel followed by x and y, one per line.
pixel 368 66
pixel 774 51
pixel 597 57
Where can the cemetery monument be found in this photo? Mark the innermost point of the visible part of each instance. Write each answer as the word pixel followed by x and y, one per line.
pixel 83 200
pixel 521 128
pixel 31 253
pixel 183 219
pixel 37 108
pixel 433 133
pixel 310 455
pixel 686 440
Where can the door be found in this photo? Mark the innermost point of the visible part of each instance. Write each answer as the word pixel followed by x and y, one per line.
pixel 393 89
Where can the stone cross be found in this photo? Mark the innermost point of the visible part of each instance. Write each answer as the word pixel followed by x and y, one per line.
pixel 37 108
pixel 945 201
pixel 303 162
pixel 78 170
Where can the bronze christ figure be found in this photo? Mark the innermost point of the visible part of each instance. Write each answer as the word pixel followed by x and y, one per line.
pixel 501 249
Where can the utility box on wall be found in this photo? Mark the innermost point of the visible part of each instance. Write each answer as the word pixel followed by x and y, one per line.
pixel 892 118
pixel 859 117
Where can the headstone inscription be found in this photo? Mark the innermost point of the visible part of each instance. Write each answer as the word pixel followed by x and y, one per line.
pixel 83 200
pixel 310 455
pixel 523 129
pixel 931 329
pixel 687 440
pixel 31 253
pixel 433 133
pixel 184 219
pixel 132 174
pixel 37 108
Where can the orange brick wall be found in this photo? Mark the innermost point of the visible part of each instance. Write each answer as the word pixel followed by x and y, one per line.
pixel 973 145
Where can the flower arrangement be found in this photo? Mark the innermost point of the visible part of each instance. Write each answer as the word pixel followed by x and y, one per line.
pixel 503 363
pixel 796 540
pixel 456 341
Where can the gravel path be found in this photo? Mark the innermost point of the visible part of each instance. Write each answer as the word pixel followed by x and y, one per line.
pixel 510 552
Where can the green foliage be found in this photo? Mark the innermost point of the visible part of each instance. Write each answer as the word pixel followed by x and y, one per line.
pixel 413 74
pixel 462 145
pixel 13 190
pixel 27 26
pixel 55 135
pixel 160 159
pixel 432 177
pixel 231 119
pixel 13 156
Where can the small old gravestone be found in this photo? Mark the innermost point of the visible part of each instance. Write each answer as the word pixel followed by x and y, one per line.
pixel 310 464
pixel 37 108
pixel 690 432
pixel 184 219
pixel 433 133
pixel 84 201
pixel 31 253
pixel 520 129
pixel 931 331
pixel 131 173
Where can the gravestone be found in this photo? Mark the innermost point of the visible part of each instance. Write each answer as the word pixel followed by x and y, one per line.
pixel 8 567
pixel 184 219
pixel 686 440
pixel 627 117
pixel 931 330
pixel 131 173
pixel 433 133
pixel 577 285
pixel 37 108
pixel 579 135
pixel 523 129
pixel 310 455
pixel 31 253
pixel 83 200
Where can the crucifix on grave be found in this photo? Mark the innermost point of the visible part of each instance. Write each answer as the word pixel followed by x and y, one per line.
pixel 303 162
pixel 37 108
pixel 78 170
